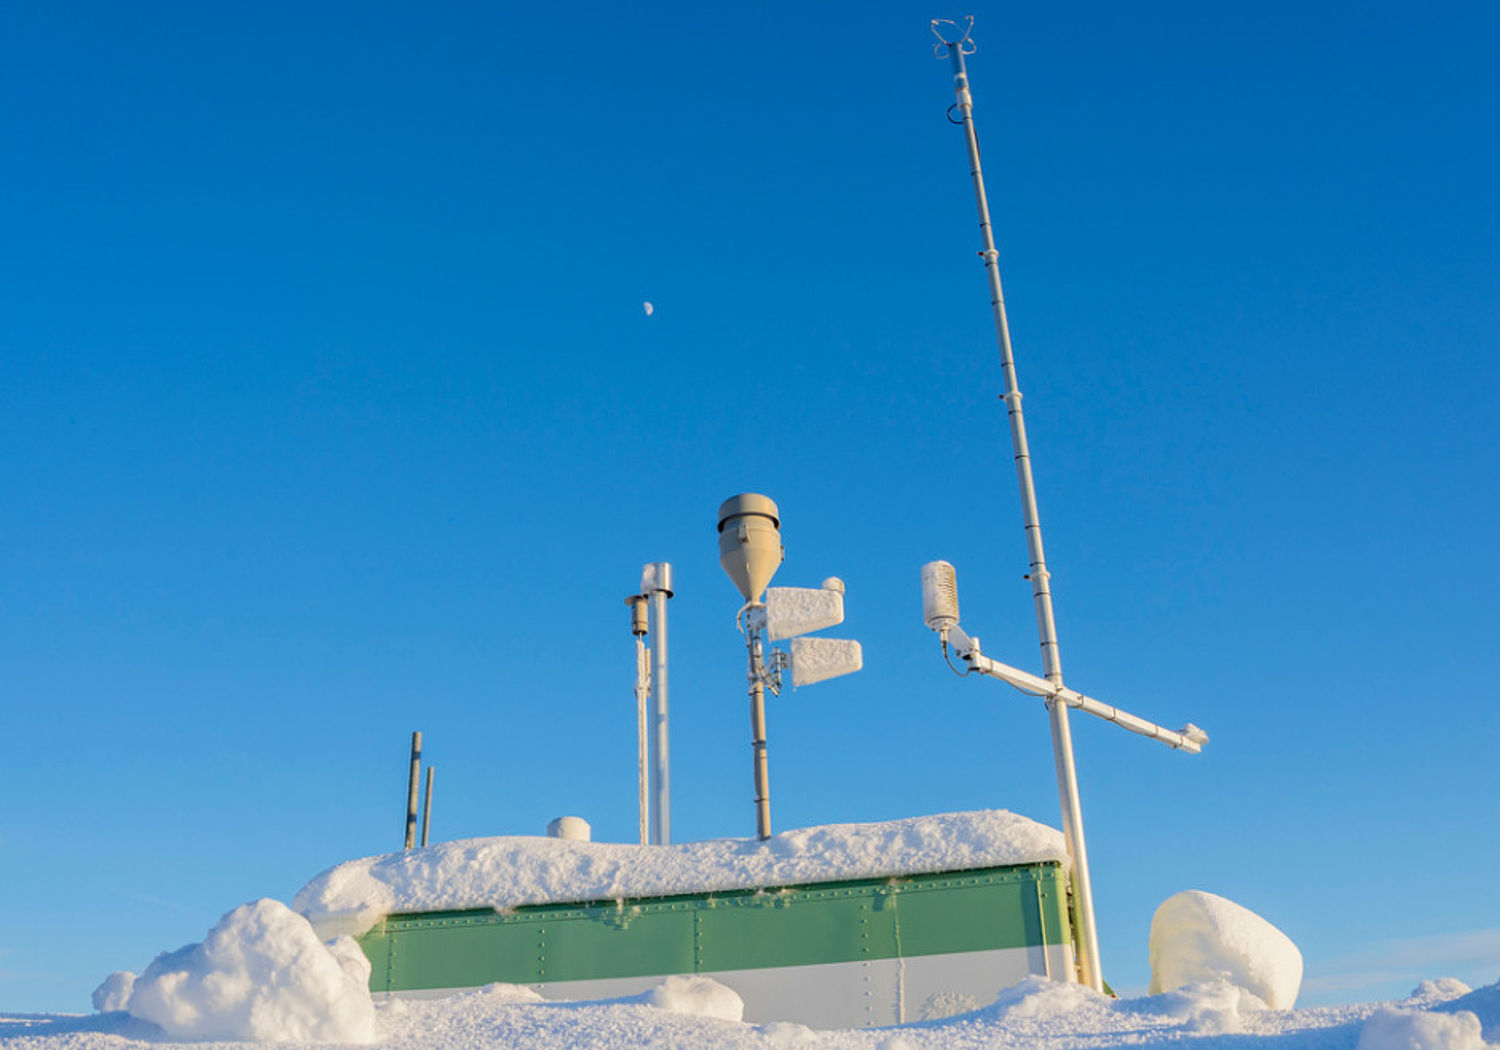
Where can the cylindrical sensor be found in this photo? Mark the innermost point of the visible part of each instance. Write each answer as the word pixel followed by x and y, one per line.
pixel 939 596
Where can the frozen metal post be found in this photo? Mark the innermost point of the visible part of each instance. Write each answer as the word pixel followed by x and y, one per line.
pixel 1062 741
pixel 427 805
pixel 411 789
pixel 638 627
pixel 656 585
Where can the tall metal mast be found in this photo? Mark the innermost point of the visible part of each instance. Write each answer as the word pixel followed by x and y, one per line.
pixel 1062 740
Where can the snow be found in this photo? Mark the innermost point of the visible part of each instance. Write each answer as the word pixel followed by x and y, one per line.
pixel 697 997
pixel 1484 1003
pixel 1199 938
pixel 511 871
pixel 114 991
pixel 1394 1028
pixel 1440 990
pixel 264 974
pixel 260 975
pixel 1033 1015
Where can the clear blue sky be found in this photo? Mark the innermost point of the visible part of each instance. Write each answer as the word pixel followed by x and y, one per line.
pixel 329 411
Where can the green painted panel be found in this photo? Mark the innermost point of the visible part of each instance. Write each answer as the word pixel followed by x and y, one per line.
pixel 452 954
pixel 606 941
pixel 974 913
pixel 785 926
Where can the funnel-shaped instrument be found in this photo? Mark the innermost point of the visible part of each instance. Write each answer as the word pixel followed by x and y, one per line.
pixel 750 542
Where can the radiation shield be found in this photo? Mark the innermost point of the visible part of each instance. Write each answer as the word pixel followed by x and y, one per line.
pixel 819 659
pixel 791 611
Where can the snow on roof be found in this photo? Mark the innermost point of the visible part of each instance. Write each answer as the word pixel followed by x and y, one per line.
pixel 510 871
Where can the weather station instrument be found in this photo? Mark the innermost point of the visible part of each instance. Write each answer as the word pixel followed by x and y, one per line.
pixel 939 581
pixel 648 619
pixel 750 551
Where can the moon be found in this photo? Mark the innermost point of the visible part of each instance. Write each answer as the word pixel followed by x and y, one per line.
pixel 648 308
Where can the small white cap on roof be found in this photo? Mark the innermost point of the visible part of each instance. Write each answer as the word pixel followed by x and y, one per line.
pixel 575 828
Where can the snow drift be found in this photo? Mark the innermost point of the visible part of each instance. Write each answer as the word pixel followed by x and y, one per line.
pixel 1199 938
pixel 697 997
pixel 1392 1028
pixel 260 975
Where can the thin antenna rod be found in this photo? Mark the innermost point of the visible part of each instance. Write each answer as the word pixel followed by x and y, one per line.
pixel 427 805
pixel 1062 740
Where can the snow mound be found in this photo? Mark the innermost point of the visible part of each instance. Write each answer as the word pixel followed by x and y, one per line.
pixel 789 1035
pixel 511 871
pixel 1391 1028
pixel 114 992
pixel 1439 991
pixel 1200 938
pixel 697 997
pixel 1206 1008
pixel 500 992
pixel 260 975
pixel 1037 998
pixel 1484 1003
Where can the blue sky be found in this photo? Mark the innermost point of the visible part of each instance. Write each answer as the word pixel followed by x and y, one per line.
pixel 329 411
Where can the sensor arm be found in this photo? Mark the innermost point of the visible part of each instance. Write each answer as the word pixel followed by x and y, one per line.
pixel 1190 738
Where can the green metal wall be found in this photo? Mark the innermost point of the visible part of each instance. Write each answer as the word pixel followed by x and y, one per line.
pixel 1013 907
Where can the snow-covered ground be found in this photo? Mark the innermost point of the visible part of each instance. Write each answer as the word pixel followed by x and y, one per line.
pixel 1035 1015
pixel 269 974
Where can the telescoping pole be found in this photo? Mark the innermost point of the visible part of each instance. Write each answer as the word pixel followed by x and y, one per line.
pixel 1062 740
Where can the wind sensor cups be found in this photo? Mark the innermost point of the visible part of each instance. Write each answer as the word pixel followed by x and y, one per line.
pixel 750 542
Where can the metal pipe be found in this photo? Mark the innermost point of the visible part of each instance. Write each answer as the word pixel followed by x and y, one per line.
pixel 758 740
pixel 427 805
pixel 1190 739
pixel 661 803
pixel 642 731
pixel 639 627
pixel 411 789
pixel 1062 743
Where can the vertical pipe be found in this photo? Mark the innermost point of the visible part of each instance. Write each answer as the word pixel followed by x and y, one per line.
pixel 411 789
pixel 640 626
pixel 1062 741
pixel 427 805
pixel 642 735
pixel 661 803
pixel 758 741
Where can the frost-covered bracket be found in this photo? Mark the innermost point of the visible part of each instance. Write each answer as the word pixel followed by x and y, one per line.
pixel 940 613
pixel 789 613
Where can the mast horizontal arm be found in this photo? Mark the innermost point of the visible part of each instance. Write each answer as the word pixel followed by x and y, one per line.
pixel 1190 738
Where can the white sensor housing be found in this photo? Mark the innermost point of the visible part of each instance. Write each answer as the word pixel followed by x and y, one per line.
pixel 939 596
